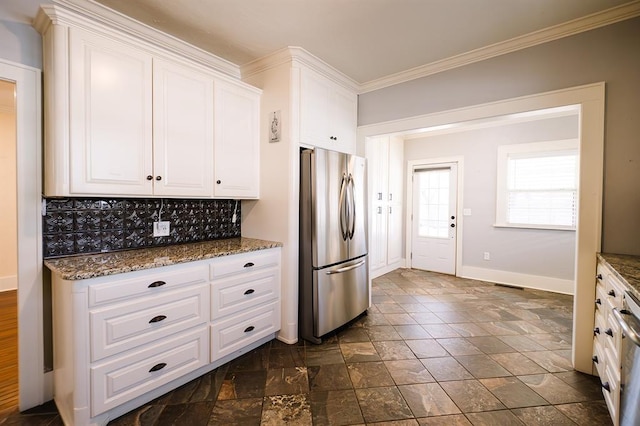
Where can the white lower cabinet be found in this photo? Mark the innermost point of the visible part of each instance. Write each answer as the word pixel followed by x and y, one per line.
pixel 607 338
pixel 123 340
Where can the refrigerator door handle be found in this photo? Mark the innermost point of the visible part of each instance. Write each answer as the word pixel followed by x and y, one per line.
pixel 346 268
pixel 343 213
pixel 353 206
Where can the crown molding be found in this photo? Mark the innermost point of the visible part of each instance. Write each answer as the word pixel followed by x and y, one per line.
pixel 295 55
pixel 569 28
pixel 65 12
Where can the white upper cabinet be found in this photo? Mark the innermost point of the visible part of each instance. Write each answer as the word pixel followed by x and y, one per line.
pixel 110 148
pixel 237 141
pixel 328 113
pixel 142 117
pixel 183 120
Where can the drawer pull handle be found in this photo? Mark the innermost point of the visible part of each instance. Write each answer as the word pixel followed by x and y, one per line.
pixel 157 284
pixel 248 264
pixel 157 367
pixel 596 331
pixel 598 302
pixel 157 319
pixel 249 291
pixel 612 293
pixel 594 358
pixel 609 332
pixel 606 386
pixel 248 329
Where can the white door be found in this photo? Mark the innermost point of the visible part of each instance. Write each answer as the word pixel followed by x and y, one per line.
pixel 434 218
pixel 237 141
pixel 182 131
pixel 110 100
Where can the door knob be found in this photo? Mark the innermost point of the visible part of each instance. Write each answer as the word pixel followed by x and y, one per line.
pixel 453 217
pixel 453 225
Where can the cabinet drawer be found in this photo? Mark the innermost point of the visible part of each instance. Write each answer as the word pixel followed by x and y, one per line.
pixel 601 298
pixel 599 357
pixel 613 339
pixel 143 283
pixel 244 262
pixel 615 291
pixel 612 394
pixel 127 325
pixel 122 379
pixel 238 331
pixel 231 295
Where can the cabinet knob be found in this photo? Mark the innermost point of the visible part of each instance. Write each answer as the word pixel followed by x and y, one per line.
pixel 149 177
pixel 249 264
pixel 598 302
pixel 249 329
pixel 157 319
pixel 248 292
pixel 333 138
pixel 158 177
pixel 612 293
pixel 609 332
pixel 218 181
pixel 453 225
pixel 156 284
pixel 594 358
pixel 606 386
pixel 596 331
pixel 157 367
pixel 599 276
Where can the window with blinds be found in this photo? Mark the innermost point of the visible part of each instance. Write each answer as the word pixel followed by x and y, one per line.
pixel 538 185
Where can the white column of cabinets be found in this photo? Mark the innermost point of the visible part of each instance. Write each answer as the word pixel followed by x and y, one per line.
pixel 385 156
pixel 142 124
pixel 328 113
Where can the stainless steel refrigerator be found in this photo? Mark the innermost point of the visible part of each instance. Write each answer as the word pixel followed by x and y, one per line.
pixel 334 275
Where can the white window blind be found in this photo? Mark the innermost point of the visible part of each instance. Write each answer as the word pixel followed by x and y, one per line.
pixel 538 185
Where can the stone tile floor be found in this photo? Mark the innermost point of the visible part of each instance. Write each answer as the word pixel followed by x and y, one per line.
pixel 432 350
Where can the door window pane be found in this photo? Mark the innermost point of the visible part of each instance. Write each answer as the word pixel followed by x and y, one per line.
pixel 433 211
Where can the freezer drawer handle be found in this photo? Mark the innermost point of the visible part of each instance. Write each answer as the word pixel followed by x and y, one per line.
pixel 157 284
pixel 249 291
pixel 248 329
pixel 624 325
pixel 346 268
pixel 157 367
pixel 157 319
pixel 249 264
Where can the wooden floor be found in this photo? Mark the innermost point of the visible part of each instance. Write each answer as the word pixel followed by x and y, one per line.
pixel 8 350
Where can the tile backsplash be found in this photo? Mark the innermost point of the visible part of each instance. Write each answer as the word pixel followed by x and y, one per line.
pixel 97 225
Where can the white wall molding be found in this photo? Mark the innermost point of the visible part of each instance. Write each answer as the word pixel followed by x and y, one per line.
pixel 538 282
pixel 9 283
pixel 375 273
pixel 566 29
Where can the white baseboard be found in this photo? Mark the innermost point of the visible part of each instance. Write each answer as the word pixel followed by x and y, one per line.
pixel 538 282
pixel 375 273
pixel 9 283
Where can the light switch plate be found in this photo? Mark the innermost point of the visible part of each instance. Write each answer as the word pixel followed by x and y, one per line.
pixel 161 229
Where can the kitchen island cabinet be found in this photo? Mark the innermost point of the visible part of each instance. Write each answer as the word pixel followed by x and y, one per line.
pixel 131 326
pixel 130 113
pixel 615 275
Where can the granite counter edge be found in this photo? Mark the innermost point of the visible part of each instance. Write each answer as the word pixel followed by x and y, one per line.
pixel 609 260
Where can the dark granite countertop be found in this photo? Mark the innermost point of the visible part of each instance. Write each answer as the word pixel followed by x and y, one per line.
pixel 98 265
pixel 626 267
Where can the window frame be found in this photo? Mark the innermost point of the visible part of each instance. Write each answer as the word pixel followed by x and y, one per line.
pixel 546 148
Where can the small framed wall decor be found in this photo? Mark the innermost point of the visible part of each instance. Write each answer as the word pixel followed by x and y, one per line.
pixel 275 126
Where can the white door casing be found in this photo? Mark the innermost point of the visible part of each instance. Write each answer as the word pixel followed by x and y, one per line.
pixel 434 218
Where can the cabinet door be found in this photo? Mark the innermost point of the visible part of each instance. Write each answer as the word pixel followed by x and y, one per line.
pixel 110 149
pixel 377 164
pixel 344 118
pixel 395 173
pixel 182 130
pixel 315 107
pixel 237 141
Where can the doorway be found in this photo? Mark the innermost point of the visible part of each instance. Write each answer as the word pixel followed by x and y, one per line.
pixel 434 225
pixel 8 250
pixel 34 384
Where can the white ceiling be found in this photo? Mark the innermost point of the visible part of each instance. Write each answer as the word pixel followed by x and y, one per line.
pixel 365 39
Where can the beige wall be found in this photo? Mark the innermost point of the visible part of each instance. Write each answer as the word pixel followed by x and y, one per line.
pixel 610 54
pixel 8 225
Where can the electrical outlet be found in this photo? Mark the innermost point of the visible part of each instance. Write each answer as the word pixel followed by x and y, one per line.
pixel 487 255
pixel 161 229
